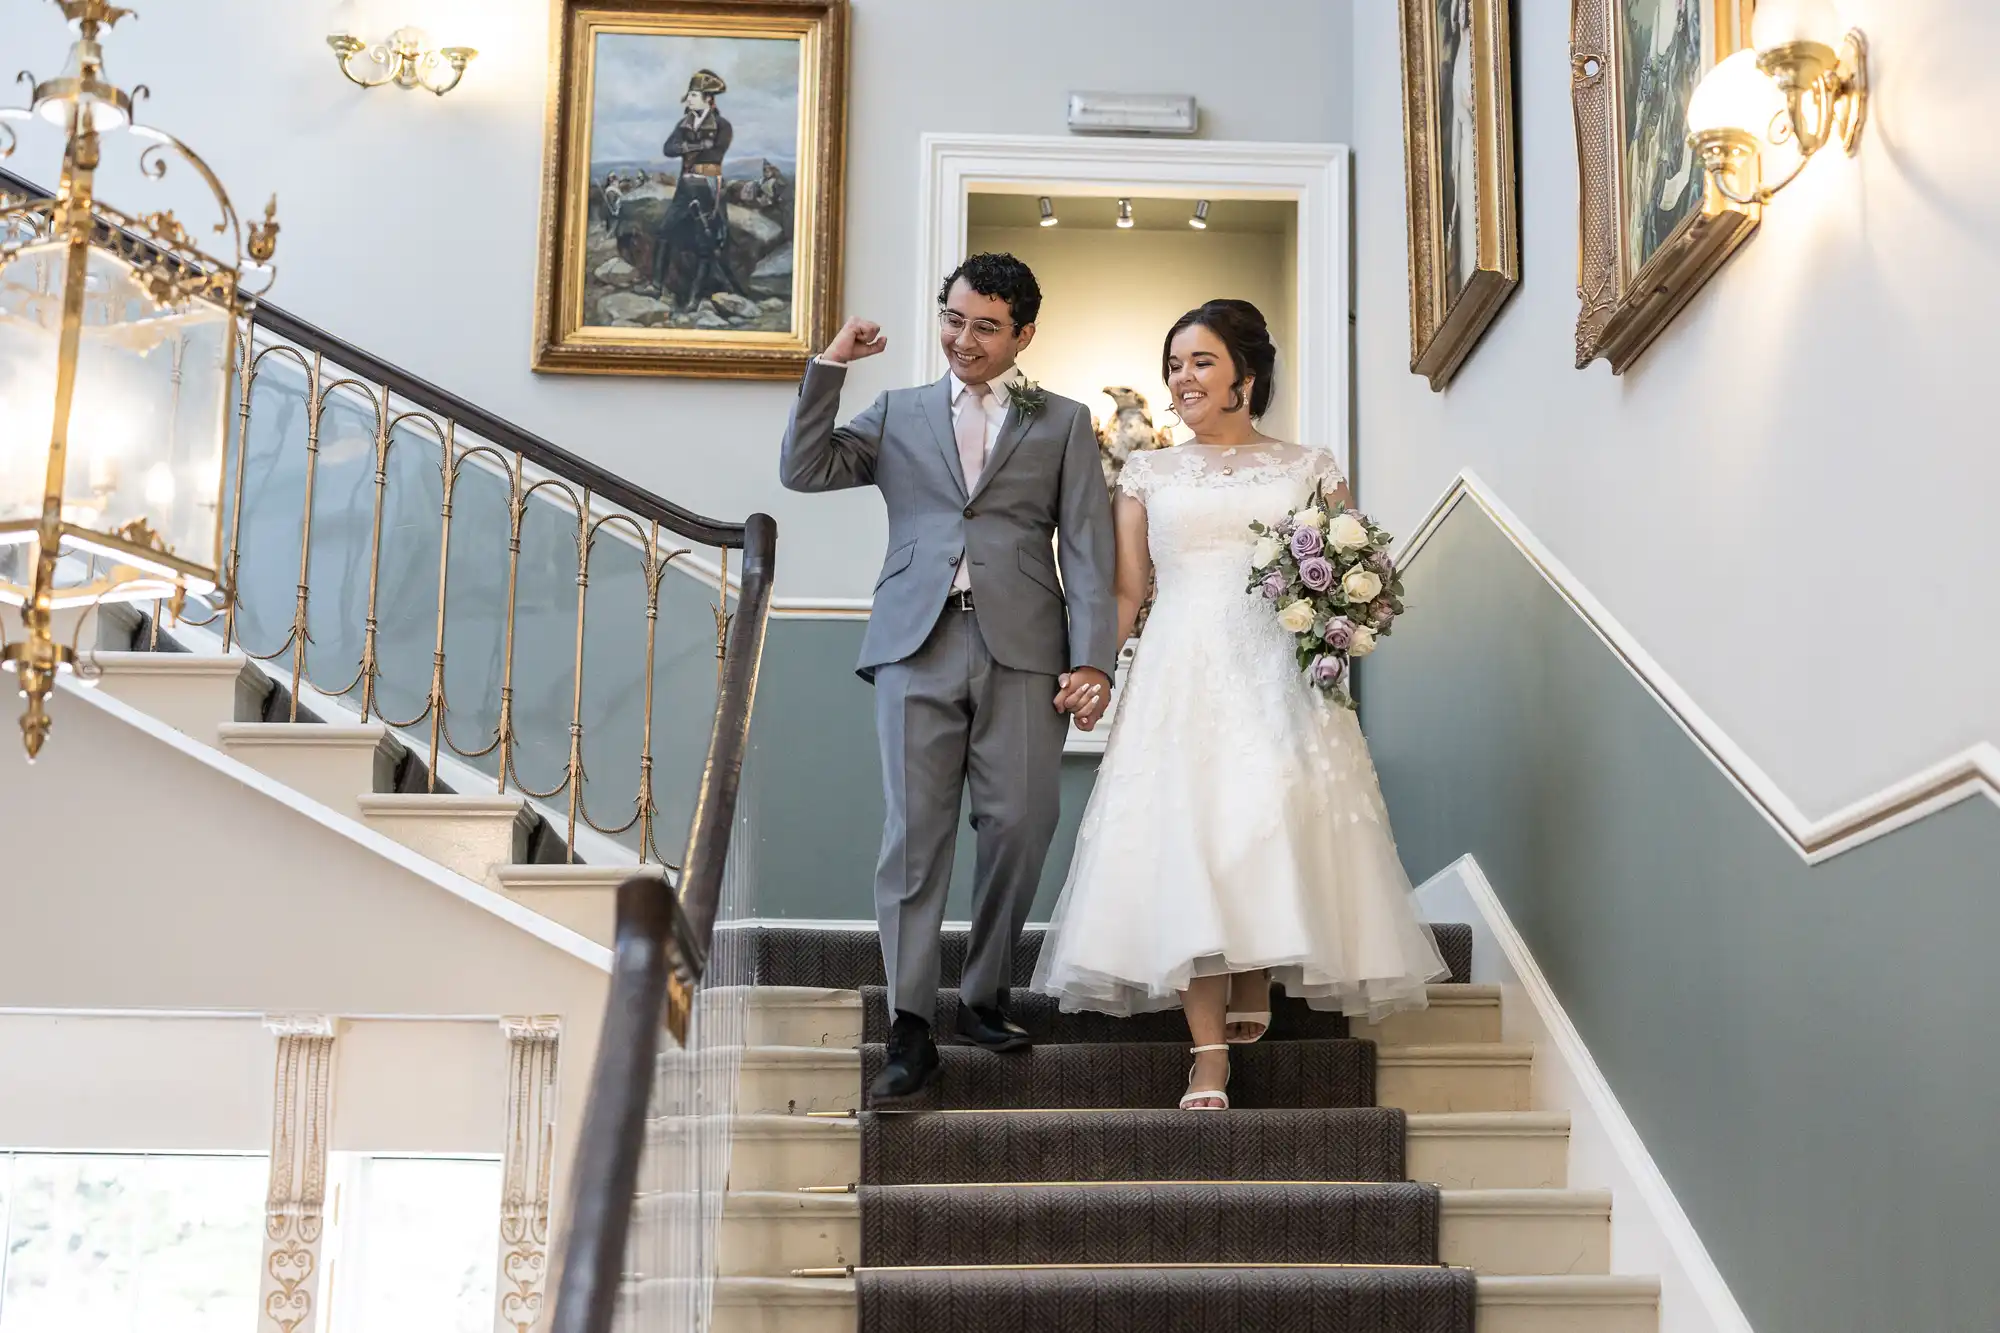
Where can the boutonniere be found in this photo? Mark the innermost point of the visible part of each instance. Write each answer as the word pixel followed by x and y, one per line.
pixel 1029 397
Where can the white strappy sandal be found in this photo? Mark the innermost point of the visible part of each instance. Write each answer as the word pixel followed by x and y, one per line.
pixel 1262 1019
pixel 1201 1095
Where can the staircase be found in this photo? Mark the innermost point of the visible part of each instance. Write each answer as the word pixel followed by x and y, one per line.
pixel 1391 1176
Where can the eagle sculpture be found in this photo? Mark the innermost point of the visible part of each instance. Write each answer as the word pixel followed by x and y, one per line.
pixel 1129 430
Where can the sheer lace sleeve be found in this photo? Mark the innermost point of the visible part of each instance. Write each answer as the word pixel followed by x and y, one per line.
pixel 1136 477
pixel 1323 468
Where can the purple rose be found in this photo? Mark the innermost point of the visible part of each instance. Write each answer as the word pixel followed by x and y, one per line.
pixel 1339 633
pixel 1306 543
pixel 1274 585
pixel 1381 611
pixel 1327 671
pixel 1382 563
pixel 1316 571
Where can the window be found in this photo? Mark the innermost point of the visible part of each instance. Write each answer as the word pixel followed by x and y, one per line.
pixel 413 1244
pixel 115 1243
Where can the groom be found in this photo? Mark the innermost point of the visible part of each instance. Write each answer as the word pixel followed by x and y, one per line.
pixel 976 648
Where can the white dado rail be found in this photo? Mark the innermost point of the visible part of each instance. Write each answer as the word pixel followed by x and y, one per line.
pixel 1972 772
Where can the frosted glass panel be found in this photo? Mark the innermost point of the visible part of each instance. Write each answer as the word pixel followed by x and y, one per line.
pixel 424 1252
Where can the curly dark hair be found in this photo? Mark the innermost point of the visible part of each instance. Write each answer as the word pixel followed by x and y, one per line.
pixel 1002 276
pixel 1242 329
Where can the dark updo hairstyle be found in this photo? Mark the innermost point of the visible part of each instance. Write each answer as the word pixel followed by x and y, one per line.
pixel 1242 329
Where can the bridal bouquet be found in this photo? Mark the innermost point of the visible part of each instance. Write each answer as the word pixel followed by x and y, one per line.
pixel 1329 576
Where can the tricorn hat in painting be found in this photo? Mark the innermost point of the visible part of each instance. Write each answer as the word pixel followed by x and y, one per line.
pixel 707 81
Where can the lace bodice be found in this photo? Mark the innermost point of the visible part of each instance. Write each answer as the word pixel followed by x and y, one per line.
pixel 1201 500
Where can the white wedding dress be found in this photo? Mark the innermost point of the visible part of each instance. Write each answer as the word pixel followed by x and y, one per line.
pixel 1236 822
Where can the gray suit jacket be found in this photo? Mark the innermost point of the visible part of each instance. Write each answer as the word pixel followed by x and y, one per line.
pixel 1042 482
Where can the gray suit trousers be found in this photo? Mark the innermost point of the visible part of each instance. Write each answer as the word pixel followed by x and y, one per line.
pixel 947 716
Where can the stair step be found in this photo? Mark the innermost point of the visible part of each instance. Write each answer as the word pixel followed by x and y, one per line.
pixel 335 766
pixel 1490 1149
pixel 848 959
pixel 1093 1076
pixel 1616 1304
pixel 191 692
pixel 792 1080
pixel 472 835
pixel 1502 1232
pixel 819 1016
pixel 1475 1076
pixel 584 898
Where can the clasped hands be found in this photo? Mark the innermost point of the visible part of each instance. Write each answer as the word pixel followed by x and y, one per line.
pixel 1084 694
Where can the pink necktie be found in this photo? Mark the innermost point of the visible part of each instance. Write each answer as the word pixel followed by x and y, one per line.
pixel 970 428
pixel 971 432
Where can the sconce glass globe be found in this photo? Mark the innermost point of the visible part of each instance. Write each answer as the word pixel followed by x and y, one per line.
pixel 1736 95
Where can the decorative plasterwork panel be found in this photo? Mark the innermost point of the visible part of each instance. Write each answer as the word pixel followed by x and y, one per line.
pixel 532 1048
pixel 295 1203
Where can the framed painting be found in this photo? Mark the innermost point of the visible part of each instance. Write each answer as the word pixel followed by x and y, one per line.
pixel 691 198
pixel 1653 227
pixel 1459 170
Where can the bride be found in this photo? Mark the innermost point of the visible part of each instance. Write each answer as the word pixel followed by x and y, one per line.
pixel 1236 834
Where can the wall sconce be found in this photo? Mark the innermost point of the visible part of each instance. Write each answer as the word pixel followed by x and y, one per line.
pixel 1125 212
pixel 405 60
pixel 1200 219
pixel 1790 89
pixel 1049 218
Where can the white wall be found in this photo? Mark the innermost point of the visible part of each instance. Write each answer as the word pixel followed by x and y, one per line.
pixel 1788 498
pixel 1108 298
pixel 410 222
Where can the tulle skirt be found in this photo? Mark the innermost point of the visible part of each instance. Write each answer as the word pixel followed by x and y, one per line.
pixel 1236 824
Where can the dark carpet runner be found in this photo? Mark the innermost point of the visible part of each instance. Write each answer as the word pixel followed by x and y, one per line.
pixel 1058 1190
pixel 1158 1143
pixel 1290 1020
pixel 1183 1222
pixel 1170 1300
pixel 1108 1075
pixel 851 959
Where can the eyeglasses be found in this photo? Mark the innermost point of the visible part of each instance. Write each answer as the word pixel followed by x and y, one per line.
pixel 983 330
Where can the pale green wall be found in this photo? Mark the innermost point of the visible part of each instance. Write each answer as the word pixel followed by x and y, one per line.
pixel 1808 1053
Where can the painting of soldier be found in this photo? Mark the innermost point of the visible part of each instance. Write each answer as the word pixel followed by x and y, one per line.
pixel 700 140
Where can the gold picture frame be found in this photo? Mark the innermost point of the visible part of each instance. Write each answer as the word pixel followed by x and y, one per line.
pixel 1459 171
pixel 691 233
pixel 1635 271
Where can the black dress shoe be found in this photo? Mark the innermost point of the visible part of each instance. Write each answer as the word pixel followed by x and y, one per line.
pixel 913 1060
pixel 988 1025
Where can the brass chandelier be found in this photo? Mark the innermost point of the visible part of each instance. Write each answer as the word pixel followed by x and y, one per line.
pixel 118 346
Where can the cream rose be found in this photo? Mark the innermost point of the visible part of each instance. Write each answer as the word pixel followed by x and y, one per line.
pixel 1363 642
pixel 1314 518
pixel 1348 533
pixel 1361 584
pixel 1297 617
pixel 1268 550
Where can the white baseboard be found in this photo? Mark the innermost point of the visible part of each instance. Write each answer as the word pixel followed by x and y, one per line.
pixel 1650 1234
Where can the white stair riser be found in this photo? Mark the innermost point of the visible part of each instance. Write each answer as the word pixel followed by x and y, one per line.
pixel 1419 1088
pixel 1438 1025
pixel 591 913
pixel 1531 1243
pixel 766 1246
pixel 1491 1162
pixel 472 845
pixel 834 1025
pixel 1531 1317
pixel 337 776
pixel 194 702
pixel 795 1087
